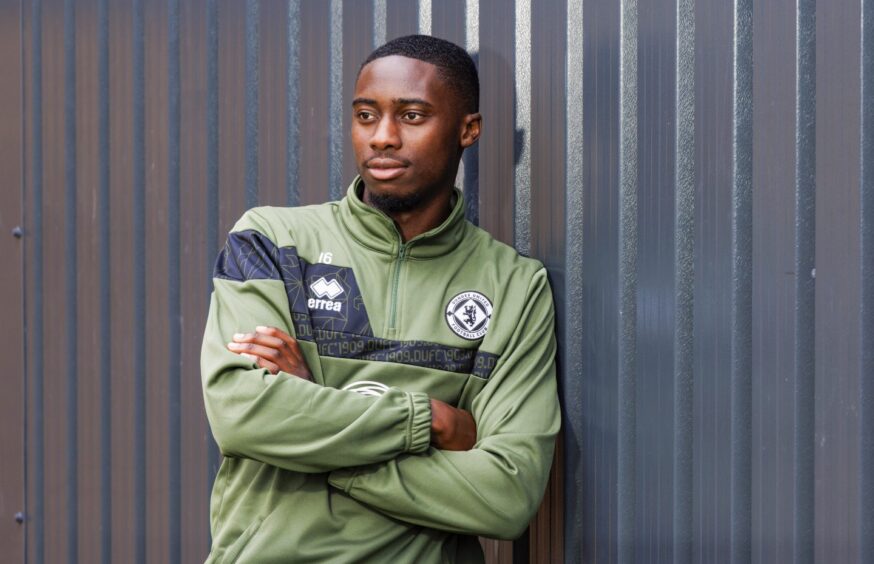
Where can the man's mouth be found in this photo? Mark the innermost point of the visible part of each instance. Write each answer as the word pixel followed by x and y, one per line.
pixel 382 168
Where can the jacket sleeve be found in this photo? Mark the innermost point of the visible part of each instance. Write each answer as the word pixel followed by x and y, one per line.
pixel 283 420
pixel 494 489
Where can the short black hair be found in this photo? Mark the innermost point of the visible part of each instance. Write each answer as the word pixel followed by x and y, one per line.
pixel 456 67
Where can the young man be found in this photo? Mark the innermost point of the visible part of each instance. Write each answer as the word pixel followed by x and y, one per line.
pixel 378 372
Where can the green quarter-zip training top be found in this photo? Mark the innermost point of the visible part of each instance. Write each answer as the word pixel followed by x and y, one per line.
pixel 341 469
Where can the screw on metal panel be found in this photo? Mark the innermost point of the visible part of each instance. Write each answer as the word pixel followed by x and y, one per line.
pixel 19 517
pixel 18 232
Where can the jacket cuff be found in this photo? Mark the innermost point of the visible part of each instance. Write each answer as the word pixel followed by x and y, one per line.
pixel 419 430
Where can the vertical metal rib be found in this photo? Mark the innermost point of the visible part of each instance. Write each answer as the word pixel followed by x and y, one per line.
pixel 572 351
pixel 103 221
pixel 380 16
pixel 866 368
pixel 71 290
pixel 253 45
pixel 425 17
pixel 741 287
pixel 627 337
pixel 471 25
pixel 38 526
pixel 24 307
pixel 805 283
pixel 335 128
pixel 684 281
pixel 212 145
pixel 174 314
pixel 139 281
pixel 292 171
pixel 522 176
pixel 468 173
pixel 212 199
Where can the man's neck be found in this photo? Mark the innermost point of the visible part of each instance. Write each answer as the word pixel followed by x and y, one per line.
pixel 426 217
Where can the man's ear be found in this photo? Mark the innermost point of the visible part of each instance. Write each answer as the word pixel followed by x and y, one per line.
pixel 470 129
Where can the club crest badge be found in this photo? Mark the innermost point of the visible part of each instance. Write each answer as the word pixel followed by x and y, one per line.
pixel 468 315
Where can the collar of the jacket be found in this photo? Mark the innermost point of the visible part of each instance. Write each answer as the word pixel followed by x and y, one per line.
pixel 376 231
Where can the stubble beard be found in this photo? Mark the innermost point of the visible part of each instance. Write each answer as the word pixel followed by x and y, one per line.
pixel 392 204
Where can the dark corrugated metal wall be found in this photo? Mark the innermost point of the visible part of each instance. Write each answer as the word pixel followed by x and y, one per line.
pixel 698 176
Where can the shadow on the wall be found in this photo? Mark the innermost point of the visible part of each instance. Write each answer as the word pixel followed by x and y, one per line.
pixel 470 159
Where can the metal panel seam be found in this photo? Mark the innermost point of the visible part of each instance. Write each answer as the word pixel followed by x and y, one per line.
pixel 866 368
pixel 212 198
pixel 253 48
pixel 71 289
pixel 522 173
pixel 335 110
pixel 471 25
pixel 139 284
pixel 380 17
pixel 805 282
pixel 572 341
pixel 174 335
pixel 741 287
pixel 292 178
pixel 627 327
pixel 24 294
pixel 105 285
pixel 684 282
pixel 425 17
pixel 38 306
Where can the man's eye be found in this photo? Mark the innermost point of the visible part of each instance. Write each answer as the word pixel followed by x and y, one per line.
pixel 365 116
pixel 413 116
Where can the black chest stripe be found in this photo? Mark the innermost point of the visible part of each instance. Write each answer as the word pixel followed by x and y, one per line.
pixel 338 322
pixel 412 353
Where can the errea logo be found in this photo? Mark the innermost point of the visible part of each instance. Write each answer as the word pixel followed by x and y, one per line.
pixel 324 289
pixel 330 289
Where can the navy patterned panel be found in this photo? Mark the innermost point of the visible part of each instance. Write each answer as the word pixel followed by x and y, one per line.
pixel 413 353
pixel 338 322
pixel 483 364
pixel 352 316
pixel 249 255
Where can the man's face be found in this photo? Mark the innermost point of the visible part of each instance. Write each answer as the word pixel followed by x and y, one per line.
pixel 408 131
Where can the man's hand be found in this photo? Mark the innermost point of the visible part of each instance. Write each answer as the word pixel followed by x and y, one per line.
pixel 451 428
pixel 273 349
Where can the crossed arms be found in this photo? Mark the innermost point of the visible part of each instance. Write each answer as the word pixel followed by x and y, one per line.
pixel 403 454
pixel 276 351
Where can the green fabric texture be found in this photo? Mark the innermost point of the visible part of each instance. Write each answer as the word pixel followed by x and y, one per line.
pixel 313 472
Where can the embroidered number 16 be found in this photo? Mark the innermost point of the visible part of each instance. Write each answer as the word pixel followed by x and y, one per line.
pixel 326 258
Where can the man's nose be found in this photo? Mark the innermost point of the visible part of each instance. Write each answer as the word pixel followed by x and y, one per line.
pixel 386 135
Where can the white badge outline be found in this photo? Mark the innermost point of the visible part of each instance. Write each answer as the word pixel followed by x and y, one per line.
pixel 449 314
pixel 369 388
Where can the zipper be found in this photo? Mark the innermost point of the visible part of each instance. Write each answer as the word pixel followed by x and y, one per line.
pixel 402 252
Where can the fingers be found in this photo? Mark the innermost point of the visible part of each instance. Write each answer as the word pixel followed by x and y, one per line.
pixel 273 349
pixel 279 334
pixel 271 337
pixel 265 352
pixel 259 338
pixel 261 362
